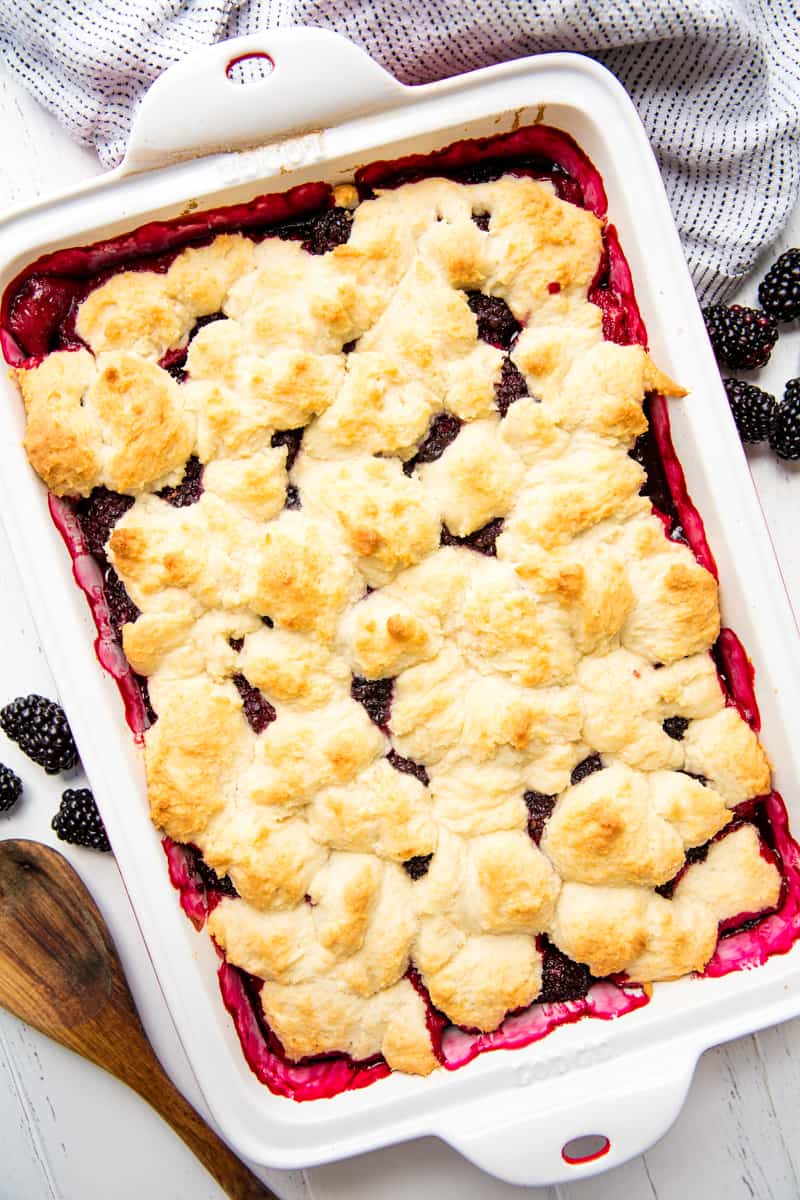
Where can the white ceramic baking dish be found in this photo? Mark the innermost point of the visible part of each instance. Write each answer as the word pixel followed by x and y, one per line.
pixel 325 109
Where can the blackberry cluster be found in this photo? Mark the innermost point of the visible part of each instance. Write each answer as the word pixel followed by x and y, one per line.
pixel 10 788
pixel 742 338
pixel 784 435
pixel 78 821
pixel 779 291
pixel 753 409
pixel 40 729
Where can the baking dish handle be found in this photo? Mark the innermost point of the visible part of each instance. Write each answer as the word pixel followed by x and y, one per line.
pixel 561 1136
pixel 251 90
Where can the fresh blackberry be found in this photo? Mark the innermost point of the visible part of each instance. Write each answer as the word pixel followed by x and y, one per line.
pixel 10 788
pixel 753 409
pixel 39 727
pixel 78 821
pixel 784 436
pixel 742 338
pixel 779 291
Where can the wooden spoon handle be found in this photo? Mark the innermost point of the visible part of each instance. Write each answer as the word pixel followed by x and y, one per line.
pixel 235 1179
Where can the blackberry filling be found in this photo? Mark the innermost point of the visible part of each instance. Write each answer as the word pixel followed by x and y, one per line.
pixel 443 430
pixel 675 727
pixel 292 497
pixel 408 767
pixel 483 540
pixel 291 439
pixel 257 709
pixel 587 767
pixel 209 878
pixel 97 515
pixel 417 866
pixel 497 325
pixel 190 488
pixel 329 230
pixel 481 220
pixel 540 808
pixel 236 643
pixel 510 386
pixel 562 977
pixel 376 696
pixel 121 608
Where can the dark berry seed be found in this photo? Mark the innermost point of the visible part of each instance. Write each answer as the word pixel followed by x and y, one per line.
pixel 497 325
pixel 587 767
pixel 268 621
pixel 784 436
pixel 190 488
pixel 408 766
pixel 562 977
pixel 540 808
pixel 443 430
pixel 481 220
pixel 291 439
pixel 375 695
pixel 97 515
pixel 236 643
pixel 753 409
pixel 257 709
pixel 675 727
pixel 78 821
pixel 483 540
pixel 510 386
pixel 10 788
pixel 328 230
pixel 779 292
pixel 742 338
pixel 417 866
pixel 349 347
pixel 40 729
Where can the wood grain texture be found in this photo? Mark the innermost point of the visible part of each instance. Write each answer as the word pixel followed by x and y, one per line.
pixel 60 973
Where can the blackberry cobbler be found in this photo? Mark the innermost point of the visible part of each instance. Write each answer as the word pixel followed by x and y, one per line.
pixel 386 509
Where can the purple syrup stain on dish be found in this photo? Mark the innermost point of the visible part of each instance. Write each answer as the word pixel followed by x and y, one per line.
pixel 511 386
pixel 190 488
pixel 408 767
pixel 540 809
pixel 483 540
pixel 312 1079
pixel 376 697
pixel 442 431
pixel 257 708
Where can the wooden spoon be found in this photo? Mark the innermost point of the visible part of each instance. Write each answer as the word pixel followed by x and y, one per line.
pixel 60 972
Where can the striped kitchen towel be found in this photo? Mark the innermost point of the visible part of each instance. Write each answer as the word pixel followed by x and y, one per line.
pixel 716 82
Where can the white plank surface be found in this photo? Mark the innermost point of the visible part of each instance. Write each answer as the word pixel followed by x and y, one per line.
pixel 68 1132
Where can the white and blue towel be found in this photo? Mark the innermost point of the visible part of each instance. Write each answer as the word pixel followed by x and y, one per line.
pixel 716 82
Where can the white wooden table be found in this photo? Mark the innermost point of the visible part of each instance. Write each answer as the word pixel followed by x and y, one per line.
pixel 69 1132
